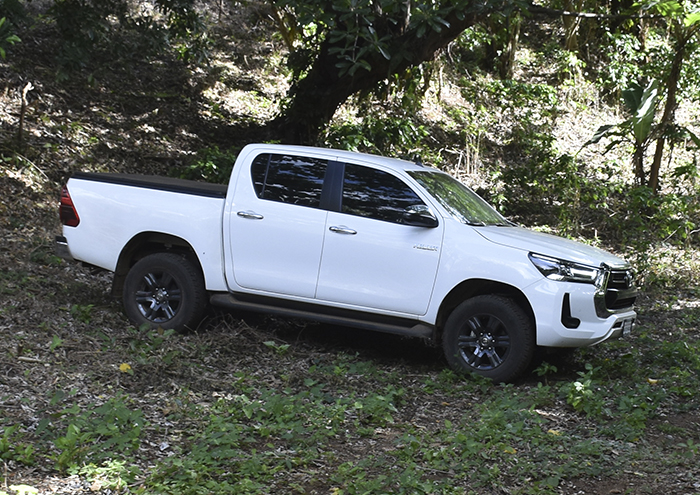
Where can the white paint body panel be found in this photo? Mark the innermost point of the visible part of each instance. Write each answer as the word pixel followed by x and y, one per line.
pixel 279 252
pixel 111 215
pixel 384 268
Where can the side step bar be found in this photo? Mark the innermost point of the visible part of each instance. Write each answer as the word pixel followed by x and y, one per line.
pixel 367 321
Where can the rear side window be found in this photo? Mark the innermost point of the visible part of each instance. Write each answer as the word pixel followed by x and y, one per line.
pixel 296 180
pixel 373 193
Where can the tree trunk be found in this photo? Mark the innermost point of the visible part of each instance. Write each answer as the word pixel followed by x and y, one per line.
pixel 506 64
pixel 572 24
pixel 682 36
pixel 316 97
pixel 638 162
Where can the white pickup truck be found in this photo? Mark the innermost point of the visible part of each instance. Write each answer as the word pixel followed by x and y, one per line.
pixel 352 239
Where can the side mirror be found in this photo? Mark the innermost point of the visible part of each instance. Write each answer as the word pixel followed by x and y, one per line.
pixel 419 216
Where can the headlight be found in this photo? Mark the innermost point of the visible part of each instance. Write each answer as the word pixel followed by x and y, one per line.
pixel 567 271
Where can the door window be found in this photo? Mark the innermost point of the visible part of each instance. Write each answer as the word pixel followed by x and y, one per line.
pixel 289 179
pixel 373 193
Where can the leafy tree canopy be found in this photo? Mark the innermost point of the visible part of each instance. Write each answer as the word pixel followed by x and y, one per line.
pixel 345 46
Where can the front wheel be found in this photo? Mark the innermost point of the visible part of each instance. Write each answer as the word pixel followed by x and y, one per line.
pixel 165 290
pixel 490 336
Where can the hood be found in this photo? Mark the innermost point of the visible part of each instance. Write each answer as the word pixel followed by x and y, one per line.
pixel 549 245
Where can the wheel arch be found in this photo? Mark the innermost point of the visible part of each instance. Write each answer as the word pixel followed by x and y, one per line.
pixel 145 243
pixel 480 287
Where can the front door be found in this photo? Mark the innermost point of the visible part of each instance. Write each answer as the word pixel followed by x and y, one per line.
pixel 370 258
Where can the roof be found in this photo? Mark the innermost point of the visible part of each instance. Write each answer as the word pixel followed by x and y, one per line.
pixel 335 154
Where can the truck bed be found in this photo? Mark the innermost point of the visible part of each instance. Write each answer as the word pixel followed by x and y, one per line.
pixel 172 184
pixel 118 210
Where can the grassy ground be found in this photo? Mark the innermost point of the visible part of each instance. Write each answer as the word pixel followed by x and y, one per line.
pixel 253 404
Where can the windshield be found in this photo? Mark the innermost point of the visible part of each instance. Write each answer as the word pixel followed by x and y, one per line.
pixel 463 203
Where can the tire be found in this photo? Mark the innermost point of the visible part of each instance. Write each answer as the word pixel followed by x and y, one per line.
pixel 165 290
pixel 490 336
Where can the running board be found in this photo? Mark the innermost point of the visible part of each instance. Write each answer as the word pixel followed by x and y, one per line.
pixel 325 314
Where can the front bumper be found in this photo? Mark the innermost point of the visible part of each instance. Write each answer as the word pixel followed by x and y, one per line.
pixel 569 315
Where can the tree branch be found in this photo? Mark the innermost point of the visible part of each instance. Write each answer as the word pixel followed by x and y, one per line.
pixel 539 10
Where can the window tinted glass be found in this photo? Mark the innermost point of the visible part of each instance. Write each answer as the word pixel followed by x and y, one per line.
pixel 376 194
pixel 463 203
pixel 289 179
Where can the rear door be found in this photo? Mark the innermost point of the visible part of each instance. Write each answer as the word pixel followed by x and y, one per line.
pixel 370 258
pixel 277 225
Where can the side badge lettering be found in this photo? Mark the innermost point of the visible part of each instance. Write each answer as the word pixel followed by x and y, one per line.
pixel 425 247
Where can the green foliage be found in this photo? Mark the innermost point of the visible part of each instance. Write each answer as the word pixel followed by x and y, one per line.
pixel 94 29
pixel 255 439
pixel 689 448
pixel 545 369
pixel 504 27
pixel 641 102
pixel 469 50
pixel 625 65
pixel 82 312
pixel 56 342
pixel 533 171
pixel 280 349
pixel 84 25
pixel 581 394
pixel 256 434
pixel 488 445
pixel 396 135
pixel 661 63
pixel 105 433
pixel 670 217
pixel 350 28
pixel 111 474
pixel 546 189
pixel 186 30
pixel 210 165
pixel 359 33
pixel 12 15
pixel 12 448
pixel 7 37
pixel 148 347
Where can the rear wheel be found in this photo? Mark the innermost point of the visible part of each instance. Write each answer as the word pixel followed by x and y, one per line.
pixel 491 336
pixel 165 290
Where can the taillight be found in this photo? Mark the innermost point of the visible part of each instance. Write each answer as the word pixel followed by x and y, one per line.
pixel 67 212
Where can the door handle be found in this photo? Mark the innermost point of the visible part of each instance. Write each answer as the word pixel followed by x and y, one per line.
pixel 251 215
pixel 341 229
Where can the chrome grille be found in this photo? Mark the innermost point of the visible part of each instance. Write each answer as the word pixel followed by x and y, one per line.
pixel 621 291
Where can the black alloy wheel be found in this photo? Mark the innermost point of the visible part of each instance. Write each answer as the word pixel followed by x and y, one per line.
pixel 491 336
pixel 164 290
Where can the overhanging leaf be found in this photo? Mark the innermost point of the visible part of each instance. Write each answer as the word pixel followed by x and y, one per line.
pixel 632 97
pixel 666 8
pixel 384 53
pixel 691 19
pixel 643 118
pixel 600 134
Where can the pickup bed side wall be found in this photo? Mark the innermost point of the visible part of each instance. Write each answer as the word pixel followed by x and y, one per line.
pixel 111 215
